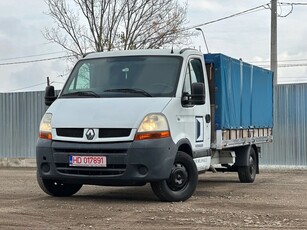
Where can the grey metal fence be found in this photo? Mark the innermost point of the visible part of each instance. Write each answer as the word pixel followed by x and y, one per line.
pixel 290 127
pixel 20 116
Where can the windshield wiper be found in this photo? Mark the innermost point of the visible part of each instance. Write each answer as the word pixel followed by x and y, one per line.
pixel 127 90
pixel 81 94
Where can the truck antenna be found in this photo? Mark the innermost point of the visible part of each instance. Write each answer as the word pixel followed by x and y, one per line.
pixel 202 32
pixel 48 81
pixel 172 50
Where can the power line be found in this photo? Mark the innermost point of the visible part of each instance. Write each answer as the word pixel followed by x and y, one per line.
pixel 38 84
pixel 293 3
pixel 285 65
pixel 34 55
pixel 291 65
pixel 27 87
pixel 280 4
pixel 282 65
pixel 251 10
pixel 288 60
pixel 37 60
pixel 31 86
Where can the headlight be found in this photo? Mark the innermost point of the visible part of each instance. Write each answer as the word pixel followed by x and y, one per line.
pixel 45 127
pixel 153 126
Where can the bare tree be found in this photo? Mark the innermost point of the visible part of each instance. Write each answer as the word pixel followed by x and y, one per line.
pixel 153 23
pixel 98 25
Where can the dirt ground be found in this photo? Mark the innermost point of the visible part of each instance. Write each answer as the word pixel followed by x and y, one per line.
pixel 277 199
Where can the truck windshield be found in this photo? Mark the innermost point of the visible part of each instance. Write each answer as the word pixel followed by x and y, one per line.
pixel 131 76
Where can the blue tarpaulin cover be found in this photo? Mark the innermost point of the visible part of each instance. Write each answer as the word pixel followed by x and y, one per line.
pixel 243 94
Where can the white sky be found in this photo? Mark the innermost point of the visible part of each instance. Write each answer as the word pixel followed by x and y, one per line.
pixel 246 37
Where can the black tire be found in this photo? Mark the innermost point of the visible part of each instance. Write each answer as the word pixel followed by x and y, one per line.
pixel 247 174
pixel 57 188
pixel 182 182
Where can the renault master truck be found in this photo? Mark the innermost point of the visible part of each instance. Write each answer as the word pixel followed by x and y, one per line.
pixel 128 118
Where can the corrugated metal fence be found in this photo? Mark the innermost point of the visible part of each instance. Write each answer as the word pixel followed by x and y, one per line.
pixel 290 127
pixel 20 115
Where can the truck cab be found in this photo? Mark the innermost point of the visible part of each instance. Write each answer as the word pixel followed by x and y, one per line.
pixel 131 118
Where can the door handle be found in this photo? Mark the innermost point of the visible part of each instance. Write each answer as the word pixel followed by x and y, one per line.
pixel 208 118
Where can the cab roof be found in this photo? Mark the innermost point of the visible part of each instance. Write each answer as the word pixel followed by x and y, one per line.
pixel 144 52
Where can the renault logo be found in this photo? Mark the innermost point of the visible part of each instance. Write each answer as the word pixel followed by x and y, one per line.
pixel 90 134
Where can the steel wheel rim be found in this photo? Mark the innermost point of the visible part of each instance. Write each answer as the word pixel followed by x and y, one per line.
pixel 178 178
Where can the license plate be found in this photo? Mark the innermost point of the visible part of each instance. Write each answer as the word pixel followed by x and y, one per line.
pixel 88 161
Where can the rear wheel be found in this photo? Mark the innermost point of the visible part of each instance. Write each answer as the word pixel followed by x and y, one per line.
pixel 182 182
pixel 247 174
pixel 57 188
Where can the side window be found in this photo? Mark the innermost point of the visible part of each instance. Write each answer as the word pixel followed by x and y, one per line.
pixel 194 73
pixel 187 81
pixel 82 81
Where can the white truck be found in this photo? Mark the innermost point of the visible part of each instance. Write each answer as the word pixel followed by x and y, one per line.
pixel 154 116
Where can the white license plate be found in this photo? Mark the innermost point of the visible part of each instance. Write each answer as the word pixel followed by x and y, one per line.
pixel 88 161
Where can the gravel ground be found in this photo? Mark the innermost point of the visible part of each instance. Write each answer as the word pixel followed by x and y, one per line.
pixel 276 200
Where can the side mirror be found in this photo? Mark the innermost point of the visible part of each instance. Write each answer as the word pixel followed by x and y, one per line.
pixel 198 96
pixel 49 95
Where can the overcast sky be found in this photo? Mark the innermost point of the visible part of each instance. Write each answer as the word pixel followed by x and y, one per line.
pixel 246 36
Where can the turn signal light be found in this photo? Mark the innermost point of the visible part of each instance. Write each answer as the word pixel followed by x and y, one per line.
pixel 45 135
pixel 151 135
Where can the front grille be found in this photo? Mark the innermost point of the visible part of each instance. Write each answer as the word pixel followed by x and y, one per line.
pixel 110 170
pixel 109 133
pixel 103 132
pixel 69 132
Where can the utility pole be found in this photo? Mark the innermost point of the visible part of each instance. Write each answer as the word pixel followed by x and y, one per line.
pixel 274 39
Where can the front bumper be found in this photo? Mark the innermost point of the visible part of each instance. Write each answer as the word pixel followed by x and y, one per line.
pixel 128 163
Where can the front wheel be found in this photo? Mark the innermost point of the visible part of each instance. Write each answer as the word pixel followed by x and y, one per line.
pixel 247 174
pixel 182 182
pixel 57 188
